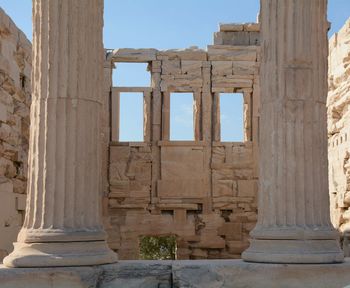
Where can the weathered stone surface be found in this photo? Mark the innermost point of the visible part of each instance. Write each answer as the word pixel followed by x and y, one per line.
pixel 231 27
pixel 64 150
pixel 237 274
pixel 231 53
pixel 133 55
pixel 338 131
pixel 204 192
pixel 126 274
pixel 293 221
pixel 189 178
pixel 15 91
pixel 193 53
pixel 180 274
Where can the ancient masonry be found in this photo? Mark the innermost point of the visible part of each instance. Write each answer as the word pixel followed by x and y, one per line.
pixel 202 191
pixel 339 131
pixel 15 98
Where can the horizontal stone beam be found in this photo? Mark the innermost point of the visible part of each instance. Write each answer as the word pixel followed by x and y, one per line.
pixel 166 274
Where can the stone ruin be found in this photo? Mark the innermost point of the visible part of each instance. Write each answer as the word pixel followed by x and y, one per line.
pixel 203 191
pixel 15 99
pixel 338 131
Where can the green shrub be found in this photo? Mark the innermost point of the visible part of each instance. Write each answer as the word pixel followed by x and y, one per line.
pixel 158 248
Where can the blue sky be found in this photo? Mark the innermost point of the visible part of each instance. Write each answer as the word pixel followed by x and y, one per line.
pixel 165 24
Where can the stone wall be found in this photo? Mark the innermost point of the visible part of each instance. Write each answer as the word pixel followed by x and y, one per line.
pixel 15 97
pixel 339 131
pixel 237 35
pixel 202 191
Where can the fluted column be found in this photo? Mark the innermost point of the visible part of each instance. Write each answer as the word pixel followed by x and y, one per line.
pixel 63 223
pixel 294 222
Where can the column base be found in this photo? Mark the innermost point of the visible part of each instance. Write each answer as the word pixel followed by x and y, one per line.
pixel 294 251
pixel 55 254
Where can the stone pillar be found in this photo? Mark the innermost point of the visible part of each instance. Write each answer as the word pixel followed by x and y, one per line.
pixel 294 222
pixel 63 223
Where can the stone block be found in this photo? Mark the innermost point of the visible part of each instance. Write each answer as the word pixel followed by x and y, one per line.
pixel 193 68
pixel 7 168
pixel 21 202
pixel 224 188
pixel 166 274
pixel 218 155
pixel 186 188
pixel 244 67
pixel 171 67
pixel 252 27
pixel 210 242
pixel 239 274
pixel 133 274
pixel 134 55
pixel 242 157
pixel 242 174
pixel 184 163
pixel 3 112
pixel 10 152
pixel 247 188
pixel 225 82
pixel 6 187
pixel 10 219
pixel 231 27
pixel 183 253
pixel 199 254
pixel 19 186
pixel 222 68
pixel 231 53
pixel 241 38
pixel 180 216
pixel 254 38
pixel 192 54
pixel 119 153
pixel 9 135
pixel 118 172
pixel 231 231
pixel 222 174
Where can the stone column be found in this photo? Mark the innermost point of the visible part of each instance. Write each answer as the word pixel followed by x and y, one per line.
pixel 63 223
pixel 294 222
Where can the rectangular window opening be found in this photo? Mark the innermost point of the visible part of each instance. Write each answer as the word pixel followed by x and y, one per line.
pixel 181 116
pixel 231 117
pixel 131 117
pixel 131 75
pixel 158 247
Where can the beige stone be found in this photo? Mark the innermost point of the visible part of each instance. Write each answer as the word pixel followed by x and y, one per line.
pixel 133 55
pixel 231 27
pixel 166 274
pixel 231 53
pixel 252 27
pixel 203 191
pixel 62 209
pixel 338 131
pixel 14 114
pixel 293 221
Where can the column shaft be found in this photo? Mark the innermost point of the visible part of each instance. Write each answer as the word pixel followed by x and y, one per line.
pixel 294 222
pixel 63 222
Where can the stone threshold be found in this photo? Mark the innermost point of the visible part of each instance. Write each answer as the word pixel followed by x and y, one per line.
pixel 181 274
